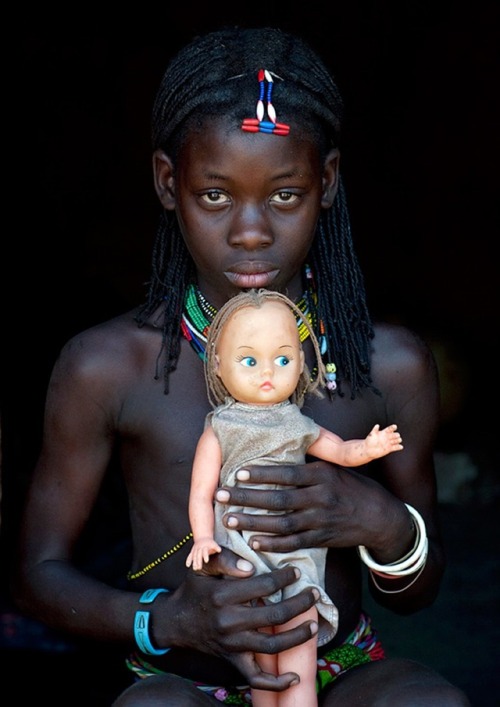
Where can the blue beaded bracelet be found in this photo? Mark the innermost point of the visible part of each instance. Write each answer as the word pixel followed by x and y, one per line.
pixel 141 624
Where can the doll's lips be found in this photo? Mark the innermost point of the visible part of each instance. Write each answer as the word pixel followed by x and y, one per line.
pixel 251 275
pixel 267 385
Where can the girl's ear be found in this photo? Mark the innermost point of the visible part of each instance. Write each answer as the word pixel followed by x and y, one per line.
pixel 163 171
pixel 330 178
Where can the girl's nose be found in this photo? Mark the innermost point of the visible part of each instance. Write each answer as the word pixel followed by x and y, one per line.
pixel 250 229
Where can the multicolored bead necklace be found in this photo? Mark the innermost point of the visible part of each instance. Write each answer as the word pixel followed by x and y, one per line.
pixel 199 313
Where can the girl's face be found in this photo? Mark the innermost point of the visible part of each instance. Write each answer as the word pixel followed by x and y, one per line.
pixel 259 358
pixel 247 204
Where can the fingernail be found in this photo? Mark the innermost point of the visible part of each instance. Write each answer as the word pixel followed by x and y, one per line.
pixel 222 496
pixel 242 475
pixel 314 628
pixel 232 522
pixel 244 565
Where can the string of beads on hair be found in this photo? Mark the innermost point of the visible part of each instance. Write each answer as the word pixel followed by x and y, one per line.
pixel 258 124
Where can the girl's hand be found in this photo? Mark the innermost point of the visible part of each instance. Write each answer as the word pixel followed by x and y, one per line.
pixel 323 506
pixel 227 616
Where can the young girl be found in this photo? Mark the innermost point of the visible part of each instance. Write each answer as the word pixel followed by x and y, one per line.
pixel 246 130
pixel 254 369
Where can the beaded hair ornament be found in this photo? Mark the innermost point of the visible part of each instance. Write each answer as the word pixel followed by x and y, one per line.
pixel 258 124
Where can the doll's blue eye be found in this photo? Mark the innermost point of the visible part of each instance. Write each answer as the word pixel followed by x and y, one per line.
pixel 282 361
pixel 248 361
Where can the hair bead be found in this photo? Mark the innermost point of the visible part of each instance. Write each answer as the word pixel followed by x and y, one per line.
pixel 259 125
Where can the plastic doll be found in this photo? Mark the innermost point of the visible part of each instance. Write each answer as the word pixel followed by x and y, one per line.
pixel 257 380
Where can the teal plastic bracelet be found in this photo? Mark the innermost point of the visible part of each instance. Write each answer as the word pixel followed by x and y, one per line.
pixel 141 624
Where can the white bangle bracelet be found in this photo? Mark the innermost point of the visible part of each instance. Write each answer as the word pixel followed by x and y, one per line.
pixel 396 591
pixel 418 564
pixel 412 562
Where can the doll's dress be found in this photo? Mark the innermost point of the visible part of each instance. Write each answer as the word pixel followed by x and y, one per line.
pixel 269 435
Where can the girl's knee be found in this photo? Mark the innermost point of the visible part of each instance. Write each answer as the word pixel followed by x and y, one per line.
pixel 162 691
pixel 394 682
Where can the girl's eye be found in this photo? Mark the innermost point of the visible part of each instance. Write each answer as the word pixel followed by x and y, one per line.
pixel 248 361
pixel 282 361
pixel 284 197
pixel 215 197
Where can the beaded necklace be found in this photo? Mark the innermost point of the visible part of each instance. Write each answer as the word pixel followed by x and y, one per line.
pixel 199 313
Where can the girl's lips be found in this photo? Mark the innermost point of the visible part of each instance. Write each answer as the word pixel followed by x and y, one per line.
pixel 247 280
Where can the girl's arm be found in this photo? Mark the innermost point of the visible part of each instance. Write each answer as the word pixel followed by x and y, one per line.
pixel 204 480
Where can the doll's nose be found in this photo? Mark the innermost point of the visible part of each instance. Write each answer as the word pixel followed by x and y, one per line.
pixel 266 370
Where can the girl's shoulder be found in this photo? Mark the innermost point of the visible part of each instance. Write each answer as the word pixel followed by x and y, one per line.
pixel 396 340
pixel 399 353
pixel 109 348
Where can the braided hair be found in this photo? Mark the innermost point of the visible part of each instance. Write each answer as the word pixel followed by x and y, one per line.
pixel 214 75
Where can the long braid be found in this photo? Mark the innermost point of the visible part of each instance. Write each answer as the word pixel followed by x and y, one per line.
pixel 214 75
pixel 341 294
pixel 170 265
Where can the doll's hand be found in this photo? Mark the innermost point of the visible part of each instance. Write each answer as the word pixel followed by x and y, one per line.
pixel 201 551
pixel 381 442
pixel 229 616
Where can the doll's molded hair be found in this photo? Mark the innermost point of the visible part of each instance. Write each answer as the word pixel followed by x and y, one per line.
pixel 217 392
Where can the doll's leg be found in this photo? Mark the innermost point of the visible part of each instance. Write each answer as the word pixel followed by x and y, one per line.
pixel 269 664
pixel 302 660
pixel 265 698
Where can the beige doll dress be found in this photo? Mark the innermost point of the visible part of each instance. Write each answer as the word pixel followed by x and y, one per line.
pixel 269 435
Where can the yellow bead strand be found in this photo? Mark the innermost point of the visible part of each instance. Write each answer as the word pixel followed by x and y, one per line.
pixel 159 560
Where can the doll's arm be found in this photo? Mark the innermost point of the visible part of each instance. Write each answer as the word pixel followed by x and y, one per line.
pixel 354 452
pixel 204 480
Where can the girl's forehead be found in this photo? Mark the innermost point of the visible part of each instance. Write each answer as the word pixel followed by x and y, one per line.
pixel 224 128
pixel 220 142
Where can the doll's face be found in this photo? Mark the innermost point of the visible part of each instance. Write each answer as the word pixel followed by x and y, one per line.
pixel 259 357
